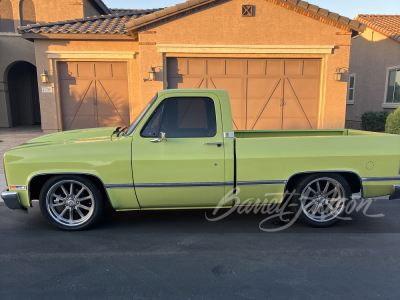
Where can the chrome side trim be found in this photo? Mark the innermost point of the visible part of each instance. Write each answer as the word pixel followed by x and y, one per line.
pixel 120 186
pixel 369 179
pixel 261 182
pixel 183 184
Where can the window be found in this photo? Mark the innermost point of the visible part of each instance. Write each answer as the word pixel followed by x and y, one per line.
pixel 6 16
pixel 393 88
pixel 352 85
pixel 27 12
pixel 182 118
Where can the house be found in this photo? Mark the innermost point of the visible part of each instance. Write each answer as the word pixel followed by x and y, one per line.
pixel 278 60
pixel 374 72
pixel 19 95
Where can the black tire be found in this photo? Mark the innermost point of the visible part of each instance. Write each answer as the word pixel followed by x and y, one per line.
pixel 305 210
pixel 85 204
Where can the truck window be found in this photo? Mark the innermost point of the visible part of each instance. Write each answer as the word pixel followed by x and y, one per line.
pixel 183 118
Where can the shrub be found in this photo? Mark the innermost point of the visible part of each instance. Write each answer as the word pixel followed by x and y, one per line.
pixel 374 120
pixel 393 122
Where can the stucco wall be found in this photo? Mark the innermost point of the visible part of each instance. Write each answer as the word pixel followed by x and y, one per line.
pixel 371 55
pixel 12 49
pixel 86 50
pixel 272 25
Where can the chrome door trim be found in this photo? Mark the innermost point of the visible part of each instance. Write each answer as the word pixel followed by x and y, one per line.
pixel 120 186
pixel 182 184
pixel 377 179
pixel 261 182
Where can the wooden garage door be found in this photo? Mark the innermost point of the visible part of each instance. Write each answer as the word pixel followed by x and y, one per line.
pixel 93 94
pixel 265 94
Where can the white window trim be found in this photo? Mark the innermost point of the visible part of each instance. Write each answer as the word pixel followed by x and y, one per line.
pixel 348 89
pixel 387 104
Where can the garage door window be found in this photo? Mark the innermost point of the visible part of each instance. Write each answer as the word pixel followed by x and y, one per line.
pixel 183 118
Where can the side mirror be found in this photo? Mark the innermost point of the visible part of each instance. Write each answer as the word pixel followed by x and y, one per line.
pixel 163 138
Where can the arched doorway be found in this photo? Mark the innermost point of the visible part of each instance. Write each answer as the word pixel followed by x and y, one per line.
pixel 23 94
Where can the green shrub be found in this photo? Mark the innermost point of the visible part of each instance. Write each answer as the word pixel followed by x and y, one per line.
pixel 393 122
pixel 374 120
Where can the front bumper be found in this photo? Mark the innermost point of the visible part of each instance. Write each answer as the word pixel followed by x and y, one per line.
pixel 11 199
pixel 395 195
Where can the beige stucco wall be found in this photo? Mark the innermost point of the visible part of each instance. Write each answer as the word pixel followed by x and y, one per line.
pixel 12 49
pixel 272 25
pixel 83 50
pixel 371 55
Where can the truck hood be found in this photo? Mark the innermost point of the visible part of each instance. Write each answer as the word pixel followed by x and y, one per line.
pixel 73 136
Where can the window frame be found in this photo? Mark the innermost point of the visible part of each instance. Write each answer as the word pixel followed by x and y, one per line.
pixel 386 104
pixel 164 102
pixel 348 101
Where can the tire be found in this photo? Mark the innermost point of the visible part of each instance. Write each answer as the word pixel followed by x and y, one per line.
pixel 313 201
pixel 56 202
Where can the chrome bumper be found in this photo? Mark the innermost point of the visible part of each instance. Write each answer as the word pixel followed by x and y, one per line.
pixel 11 199
pixel 395 195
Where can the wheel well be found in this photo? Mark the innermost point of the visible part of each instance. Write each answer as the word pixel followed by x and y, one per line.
pixel 37 183
pixel 352 179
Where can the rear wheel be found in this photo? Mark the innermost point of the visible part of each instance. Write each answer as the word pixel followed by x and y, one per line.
pixel 321 199
pixel 71 202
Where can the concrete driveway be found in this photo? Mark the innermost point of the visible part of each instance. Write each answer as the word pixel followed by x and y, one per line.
pixel 14 136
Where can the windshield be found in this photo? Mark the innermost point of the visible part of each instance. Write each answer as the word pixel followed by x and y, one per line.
pixel 135 123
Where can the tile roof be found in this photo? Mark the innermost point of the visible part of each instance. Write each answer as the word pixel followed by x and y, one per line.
pixel 388 25
pixel 297 4
pixel 104 24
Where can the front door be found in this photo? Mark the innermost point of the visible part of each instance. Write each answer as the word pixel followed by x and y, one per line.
pixel 187 168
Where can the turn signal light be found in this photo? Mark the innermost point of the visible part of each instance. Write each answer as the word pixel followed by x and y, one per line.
pixel 18 187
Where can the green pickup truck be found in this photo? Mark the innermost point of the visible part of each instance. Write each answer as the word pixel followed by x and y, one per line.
pixel 182 153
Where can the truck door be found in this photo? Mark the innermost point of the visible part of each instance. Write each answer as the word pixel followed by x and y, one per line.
pixel 178 153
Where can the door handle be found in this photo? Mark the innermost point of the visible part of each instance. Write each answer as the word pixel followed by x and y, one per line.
pixel 163 138
pixel 214 144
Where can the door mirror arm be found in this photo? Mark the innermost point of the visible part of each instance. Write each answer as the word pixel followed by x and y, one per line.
pixel 163 138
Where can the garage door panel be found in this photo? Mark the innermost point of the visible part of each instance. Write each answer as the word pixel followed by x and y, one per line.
pixel 263 92
pixel 215 67
pixel 274 67
pixel 255 67
pixel 311 68
pixel 234 67
pixel 67 70
pixel 293 67
pixel 96 100
pixel 113 89
pixel 119 70
pixel 85 70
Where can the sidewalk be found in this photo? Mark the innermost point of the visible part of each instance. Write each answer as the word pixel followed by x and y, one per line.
pixel 15 136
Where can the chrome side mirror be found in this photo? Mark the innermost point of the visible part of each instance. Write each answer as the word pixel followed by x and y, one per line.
pixel 163 138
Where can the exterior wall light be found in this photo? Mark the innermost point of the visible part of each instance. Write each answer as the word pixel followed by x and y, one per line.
pixel 338 74
pixel 152 75
pixel 45 77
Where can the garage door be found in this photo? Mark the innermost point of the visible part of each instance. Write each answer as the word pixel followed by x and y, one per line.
pixel 93 94
pixel 265 94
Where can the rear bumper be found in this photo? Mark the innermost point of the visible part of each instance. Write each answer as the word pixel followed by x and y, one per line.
pixel 395 195
pixel 11 199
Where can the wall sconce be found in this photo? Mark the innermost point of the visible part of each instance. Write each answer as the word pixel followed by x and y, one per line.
pixel 338 74
pixel 45 77
pixel 152 75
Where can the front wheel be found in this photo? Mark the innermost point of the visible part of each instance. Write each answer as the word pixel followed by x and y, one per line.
pixel 321 199
pixel 71 202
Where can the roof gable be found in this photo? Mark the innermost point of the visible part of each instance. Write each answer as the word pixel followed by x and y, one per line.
pixel 298 6
pixel 388 25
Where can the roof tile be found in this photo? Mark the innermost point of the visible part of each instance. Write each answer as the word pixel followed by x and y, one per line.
pixel 105 24
pixel 388 25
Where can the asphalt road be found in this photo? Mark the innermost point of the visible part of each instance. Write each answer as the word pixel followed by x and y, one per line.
pixel 181 255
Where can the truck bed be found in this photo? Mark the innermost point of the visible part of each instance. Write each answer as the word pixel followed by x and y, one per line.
pixel 246 134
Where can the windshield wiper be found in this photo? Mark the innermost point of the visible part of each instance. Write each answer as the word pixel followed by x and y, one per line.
pixel 121 131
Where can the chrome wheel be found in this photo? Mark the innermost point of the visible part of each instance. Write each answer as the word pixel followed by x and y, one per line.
pixel 70 203
pixel 323 199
